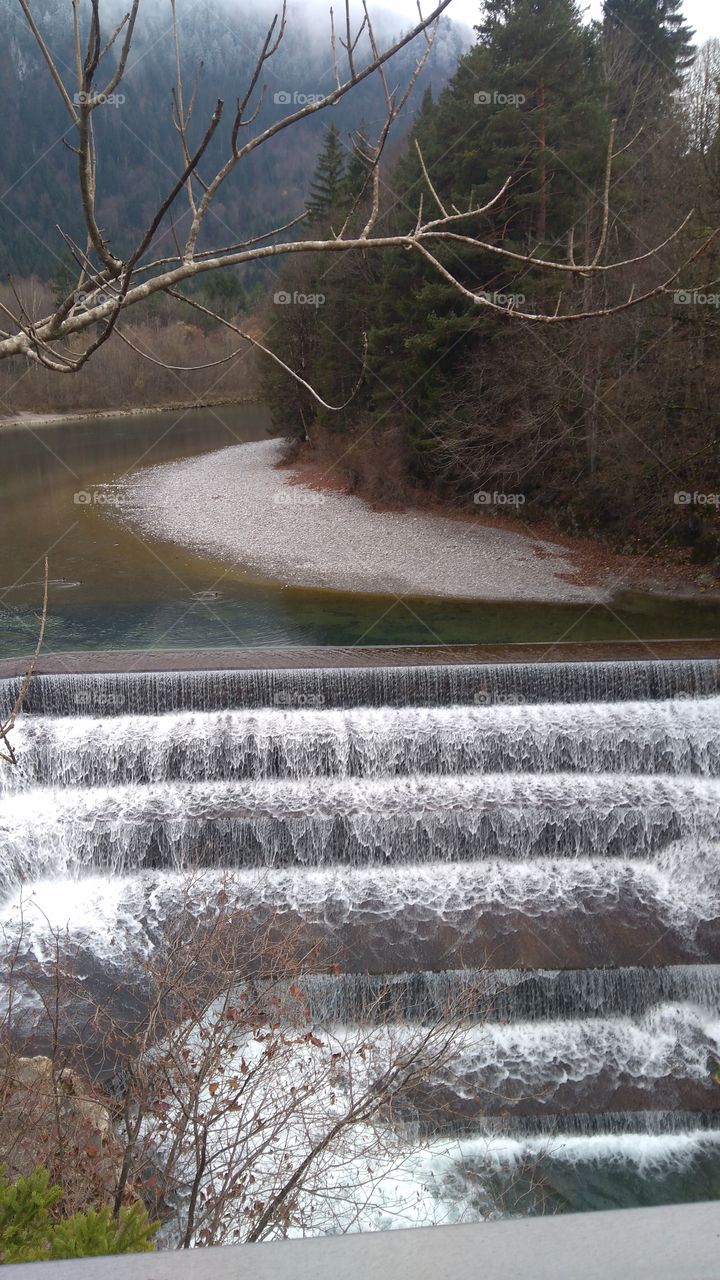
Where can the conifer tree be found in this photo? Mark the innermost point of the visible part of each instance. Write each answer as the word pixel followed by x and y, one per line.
pixel 527 101
pixel 327 187
pixel 357 171
pixel 657 34
pixel 32 1231
pixel 539 100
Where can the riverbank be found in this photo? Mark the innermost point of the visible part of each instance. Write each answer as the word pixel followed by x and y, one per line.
pixel 241 507
pixel 29 419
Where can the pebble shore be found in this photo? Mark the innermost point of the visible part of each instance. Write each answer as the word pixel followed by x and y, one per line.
pixel 237 505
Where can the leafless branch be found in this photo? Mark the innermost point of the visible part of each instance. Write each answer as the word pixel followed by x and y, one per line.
pixel 122 282
pixel 8 722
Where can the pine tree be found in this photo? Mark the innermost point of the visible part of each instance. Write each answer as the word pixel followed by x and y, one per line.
pixel 656 33
pixel 526 101
pixel 224 294
pixel 357 171
pixel 540 110
pixel 320 340
pixel 327 187
pixel 31 1232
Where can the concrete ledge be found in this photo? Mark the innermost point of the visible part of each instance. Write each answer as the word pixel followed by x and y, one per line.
pixel 91 662
pixel 681 1242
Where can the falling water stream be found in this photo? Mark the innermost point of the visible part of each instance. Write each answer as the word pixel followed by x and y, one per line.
pixel 547 837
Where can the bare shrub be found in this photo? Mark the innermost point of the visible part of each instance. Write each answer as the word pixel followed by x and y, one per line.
pixel 195 1077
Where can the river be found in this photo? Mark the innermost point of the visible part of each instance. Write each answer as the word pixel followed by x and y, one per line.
pixel 552 848
pixel 550 830
pixel 111 590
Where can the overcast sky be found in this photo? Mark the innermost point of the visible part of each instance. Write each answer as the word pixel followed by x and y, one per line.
pixel 703 15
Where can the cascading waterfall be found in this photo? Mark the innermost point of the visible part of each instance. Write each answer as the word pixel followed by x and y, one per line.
pixel 152 693
pixel 352 822
pixel 610 1124
pixel 671 737
pixel 505 995
pixel 539 844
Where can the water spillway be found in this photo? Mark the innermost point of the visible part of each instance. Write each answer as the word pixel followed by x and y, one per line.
pixel 505 995
pixel 321 822
pixel 537 844
pixel 673 736
pixel 295 688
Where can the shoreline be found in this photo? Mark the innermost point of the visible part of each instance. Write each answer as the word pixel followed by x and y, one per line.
pixel 667 574
pixel 583 568
pixel 240 506
pixel 249 507
pixel 30 418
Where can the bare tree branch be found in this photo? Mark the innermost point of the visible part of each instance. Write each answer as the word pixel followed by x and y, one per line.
pixel 120 283
pixel 7 724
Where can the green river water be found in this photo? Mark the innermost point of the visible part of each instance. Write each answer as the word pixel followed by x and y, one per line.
pixel 110 589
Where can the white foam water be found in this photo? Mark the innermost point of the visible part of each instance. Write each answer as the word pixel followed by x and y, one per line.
pixel 320 821
pixel 674 737
pixel 415 802
pixel 115 913
pixel 376 1178
pixel 647 1152
pixel 669 1041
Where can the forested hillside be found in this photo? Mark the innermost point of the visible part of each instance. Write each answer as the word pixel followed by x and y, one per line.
pixel 597 422
pixel 137 145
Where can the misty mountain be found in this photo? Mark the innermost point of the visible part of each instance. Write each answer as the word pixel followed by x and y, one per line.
pixel 138 148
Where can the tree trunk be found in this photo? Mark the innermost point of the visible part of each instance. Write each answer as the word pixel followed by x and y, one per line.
pixel 542 163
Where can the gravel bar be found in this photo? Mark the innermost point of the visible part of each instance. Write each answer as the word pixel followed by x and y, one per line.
pixel 237 505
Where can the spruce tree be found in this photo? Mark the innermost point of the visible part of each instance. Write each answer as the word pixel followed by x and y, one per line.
pixel 527 101
pixel 323 337
pixel 656 33
pixel 327 186
pixel 32 1230
pixel 355 179
pixel 540 108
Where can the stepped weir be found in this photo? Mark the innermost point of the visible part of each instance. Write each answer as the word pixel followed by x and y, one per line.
pixel 543 835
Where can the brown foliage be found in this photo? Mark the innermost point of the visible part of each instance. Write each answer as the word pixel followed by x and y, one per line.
pixel 119 378
pixel 195 1078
